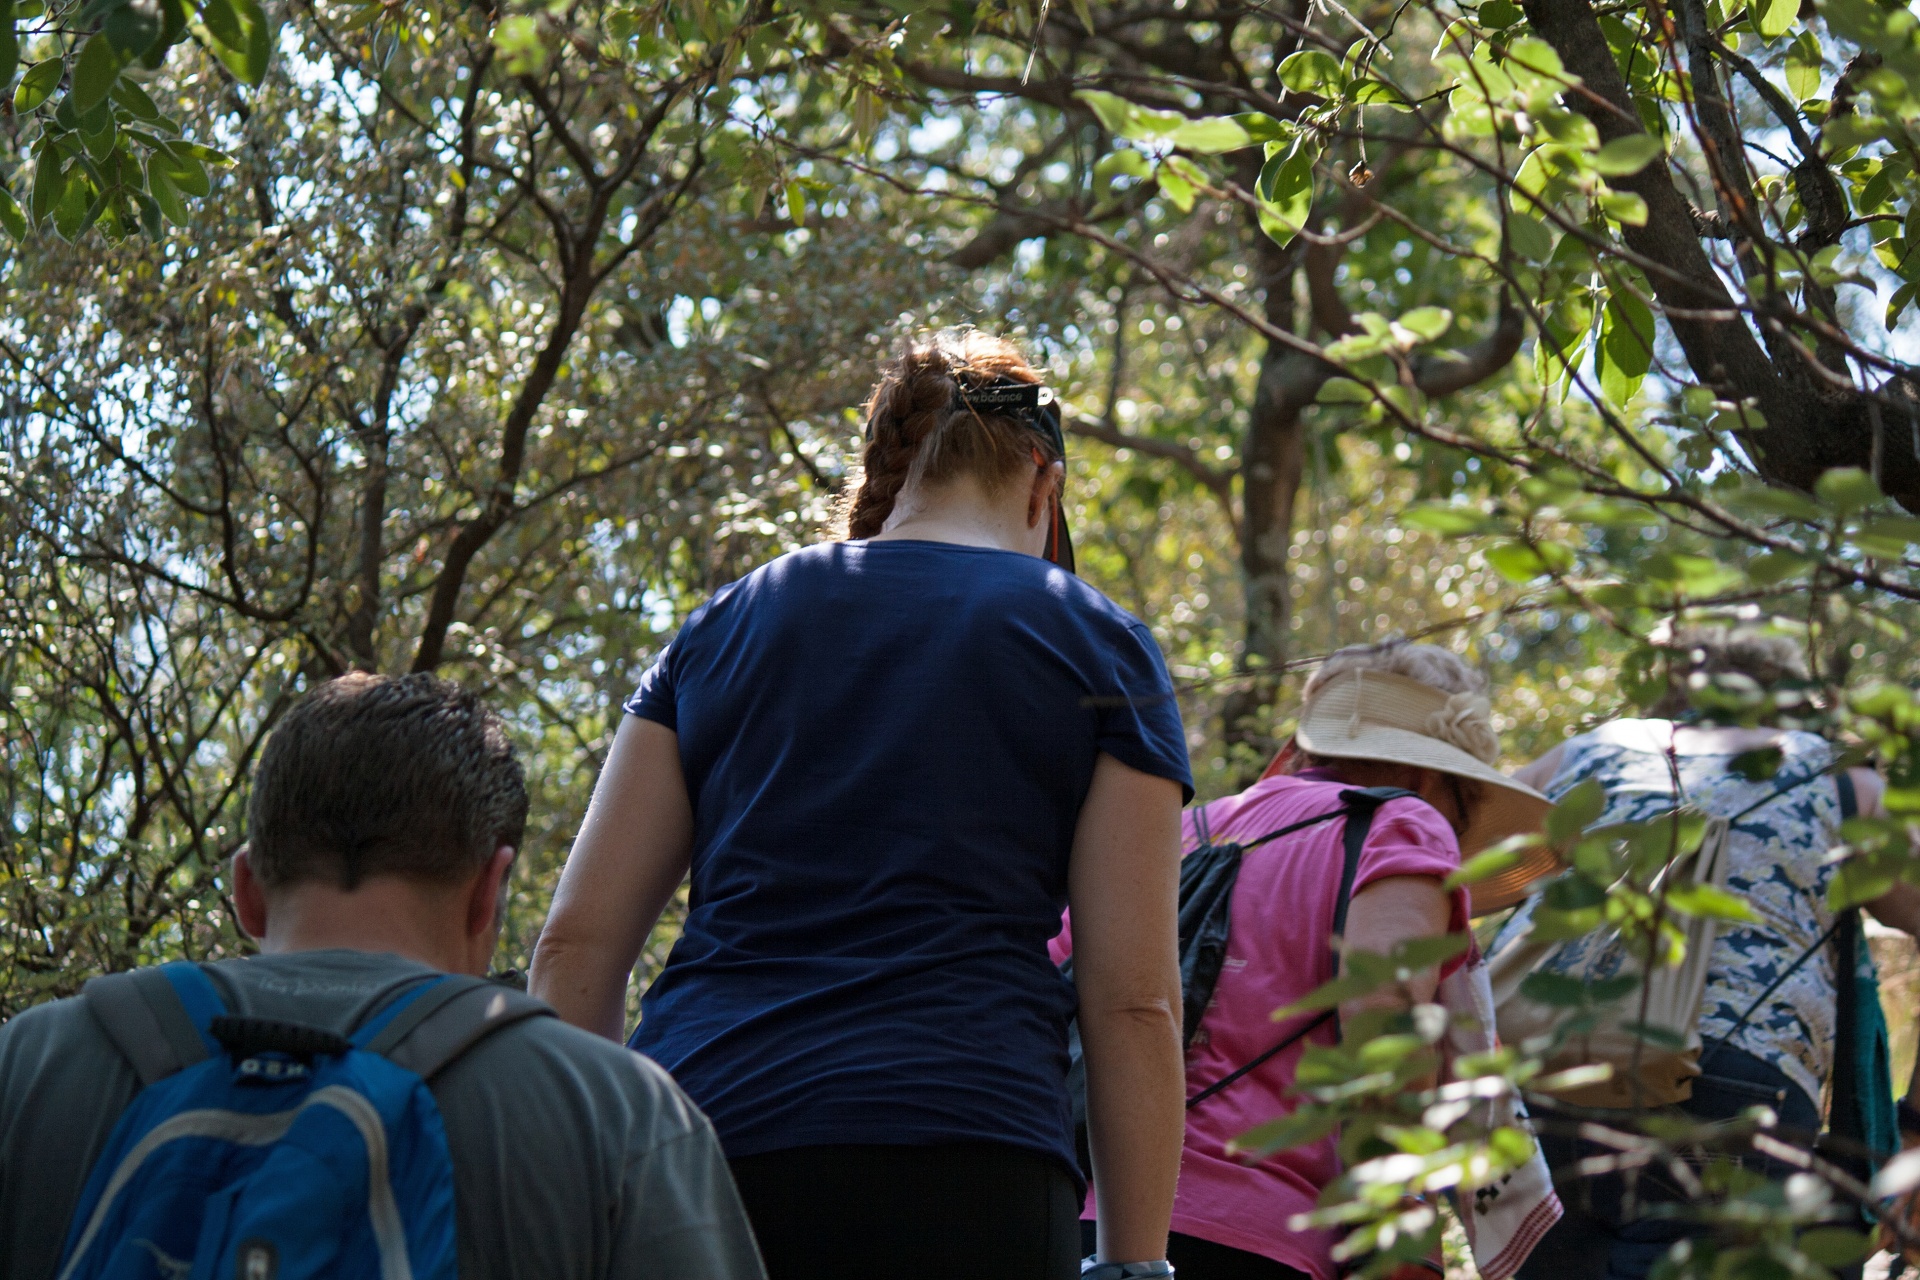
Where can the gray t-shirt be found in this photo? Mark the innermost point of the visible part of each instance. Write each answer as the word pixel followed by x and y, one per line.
pixel 573 1158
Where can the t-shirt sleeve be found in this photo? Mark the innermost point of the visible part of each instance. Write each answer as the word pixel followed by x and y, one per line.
pixel 653 700
pixel 657 697
pixel 680 1216
pixel 1410 838
pixel 63 1085
pixel 1139 725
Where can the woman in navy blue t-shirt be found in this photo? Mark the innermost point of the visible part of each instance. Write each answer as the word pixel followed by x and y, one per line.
pixel 889 762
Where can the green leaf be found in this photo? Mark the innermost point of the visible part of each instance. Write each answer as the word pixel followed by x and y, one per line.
pixel 1497 15
pixel 37 85
pixel 1211 135
pixel 1308 1124
pixel 94 73
pixel 1444 519
pixel 1313 71
pixel 1114 111
pixel 183 169
pixel 1846 490
pixel 1665 1037
pixel 1775 567
pixel 1627 155
pixel 1575 1078
pixel 49 185
pixel 166 197
pixel 1519 563
pixel 1624 207
pixel 1834 1246
pixel 1529 237
pixel 1488 863
pixel 518 40
pixel 1758 764
pixel 1377 93
pixel 1426 323
pixel 131 96
pixel 1264 128
pixel 150 218
pixel 1618 987
pixel 1132 164
pixel 132 29
pixel 1416 954
pixel 1772 17
pixel 1692 575
pixel 77 208
pixel 196 151
pixel 9 49
pixel 1557 989
pixel 796 204
pixel 1175 186
pixel 1767 501
pixel 1626 346
pixel 11 217
pixel 1574 893
pixel 1803 66
pixel 243 37
pixel 1710 902
pixel 1579 809
pixel 1290 199
pixel 1898 531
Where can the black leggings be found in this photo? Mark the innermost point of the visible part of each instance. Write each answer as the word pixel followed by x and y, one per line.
pixel 957 1212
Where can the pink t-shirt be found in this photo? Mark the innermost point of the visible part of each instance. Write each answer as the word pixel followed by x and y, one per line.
pixel 1279 944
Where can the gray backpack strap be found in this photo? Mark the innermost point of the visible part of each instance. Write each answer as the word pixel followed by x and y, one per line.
pixel 445 1022
pixel 143 1016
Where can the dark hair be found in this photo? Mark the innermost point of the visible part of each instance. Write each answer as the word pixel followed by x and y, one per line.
pixel 381 775
pixel 917 431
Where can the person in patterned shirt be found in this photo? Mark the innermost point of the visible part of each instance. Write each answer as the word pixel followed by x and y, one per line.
pixel 1782 1053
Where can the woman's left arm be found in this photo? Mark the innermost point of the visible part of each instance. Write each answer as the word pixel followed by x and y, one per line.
pixel 632 851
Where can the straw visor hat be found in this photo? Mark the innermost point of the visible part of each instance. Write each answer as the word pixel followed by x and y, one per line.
pixel 1361 714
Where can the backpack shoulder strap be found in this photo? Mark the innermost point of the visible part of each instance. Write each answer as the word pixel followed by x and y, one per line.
pixel 1361 804
pixel 156 1017
pixel 449 1017
pixel 1849 801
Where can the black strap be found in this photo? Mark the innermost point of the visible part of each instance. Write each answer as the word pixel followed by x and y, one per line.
pixel 142 1014
pixel 1359 805
pixel 1846 792
pixel 1849 807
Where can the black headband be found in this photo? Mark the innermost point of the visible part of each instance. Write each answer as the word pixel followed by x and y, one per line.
pixel 1009 397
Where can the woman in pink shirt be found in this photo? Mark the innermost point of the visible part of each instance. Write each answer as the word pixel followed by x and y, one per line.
pixel 1394 715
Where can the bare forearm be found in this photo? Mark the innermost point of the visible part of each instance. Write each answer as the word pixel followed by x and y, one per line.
pixel 1123 883
pixel 632 851
pixel 580 986
pixel 1136 1120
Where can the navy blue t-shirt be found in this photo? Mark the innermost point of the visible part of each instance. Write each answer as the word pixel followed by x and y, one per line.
pixel 887 745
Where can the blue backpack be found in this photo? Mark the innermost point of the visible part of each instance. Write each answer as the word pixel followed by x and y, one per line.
pixel 259 1149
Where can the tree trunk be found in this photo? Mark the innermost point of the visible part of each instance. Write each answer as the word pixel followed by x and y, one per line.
pixel 1273 460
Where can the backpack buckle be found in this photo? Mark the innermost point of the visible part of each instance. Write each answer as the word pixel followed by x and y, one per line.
pixel 270 1051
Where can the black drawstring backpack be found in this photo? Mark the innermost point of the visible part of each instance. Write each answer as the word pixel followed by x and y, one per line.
pixel 1207 877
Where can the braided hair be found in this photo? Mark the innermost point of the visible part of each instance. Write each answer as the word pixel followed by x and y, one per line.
pixel 918 432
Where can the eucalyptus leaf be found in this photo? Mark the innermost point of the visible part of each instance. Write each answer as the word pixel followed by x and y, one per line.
pixel 37 85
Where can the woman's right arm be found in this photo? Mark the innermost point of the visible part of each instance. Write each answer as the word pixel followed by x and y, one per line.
pixel 1123 888
pixel 632 851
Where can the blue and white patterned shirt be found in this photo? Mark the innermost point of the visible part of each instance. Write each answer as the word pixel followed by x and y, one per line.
pixel 1778 865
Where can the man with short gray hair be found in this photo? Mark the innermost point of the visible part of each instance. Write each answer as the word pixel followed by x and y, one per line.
pixel 384 819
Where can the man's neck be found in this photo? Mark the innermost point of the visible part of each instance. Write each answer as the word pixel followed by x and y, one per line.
pixel 384 914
